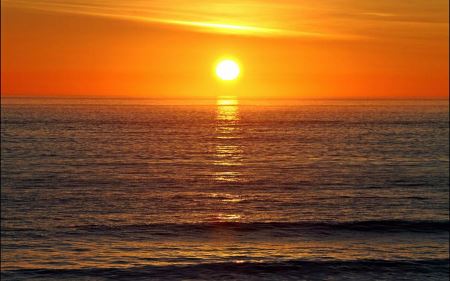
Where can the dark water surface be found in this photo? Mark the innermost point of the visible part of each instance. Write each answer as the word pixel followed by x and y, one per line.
pixel 145 190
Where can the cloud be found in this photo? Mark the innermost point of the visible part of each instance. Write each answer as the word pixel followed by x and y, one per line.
pixel 328 19
pixel 254 18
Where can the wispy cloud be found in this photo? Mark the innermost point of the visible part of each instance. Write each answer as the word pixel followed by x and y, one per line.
pixel 256 18
pixel 303 18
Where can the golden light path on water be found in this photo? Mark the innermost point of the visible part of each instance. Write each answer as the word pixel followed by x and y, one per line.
pixel 228 151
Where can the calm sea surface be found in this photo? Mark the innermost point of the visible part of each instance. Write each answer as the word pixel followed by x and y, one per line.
pixel 146 190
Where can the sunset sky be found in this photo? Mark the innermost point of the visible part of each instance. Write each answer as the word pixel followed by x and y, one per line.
pixel 288 49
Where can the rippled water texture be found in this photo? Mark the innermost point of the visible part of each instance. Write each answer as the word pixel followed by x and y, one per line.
pixel 138 190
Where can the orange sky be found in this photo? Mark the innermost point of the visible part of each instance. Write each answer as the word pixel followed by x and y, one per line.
pixel 166 49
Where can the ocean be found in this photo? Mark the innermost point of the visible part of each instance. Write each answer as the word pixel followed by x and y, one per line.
pixel 98 189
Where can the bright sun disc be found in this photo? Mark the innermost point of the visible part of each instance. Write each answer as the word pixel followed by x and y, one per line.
pixel 227 70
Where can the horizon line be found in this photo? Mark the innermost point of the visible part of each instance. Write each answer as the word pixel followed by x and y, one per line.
pixel 69 97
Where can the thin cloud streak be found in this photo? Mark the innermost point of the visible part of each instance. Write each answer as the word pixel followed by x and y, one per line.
pixel 327 19
pixel 196 20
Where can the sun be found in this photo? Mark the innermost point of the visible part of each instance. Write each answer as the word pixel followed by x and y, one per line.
pixel 227 69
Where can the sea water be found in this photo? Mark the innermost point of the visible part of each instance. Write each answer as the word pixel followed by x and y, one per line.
pixel 230 190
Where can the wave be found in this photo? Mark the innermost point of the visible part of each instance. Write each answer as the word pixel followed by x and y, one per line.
pixel 305 226
pixel 261 229
pixel 436 269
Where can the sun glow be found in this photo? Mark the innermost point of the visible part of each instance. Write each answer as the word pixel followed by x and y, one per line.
pixel 227 70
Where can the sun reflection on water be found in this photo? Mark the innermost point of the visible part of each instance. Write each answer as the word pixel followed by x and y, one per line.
pixel 228 157
pixel 229 217
pixel 228 153
pixel 227 100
